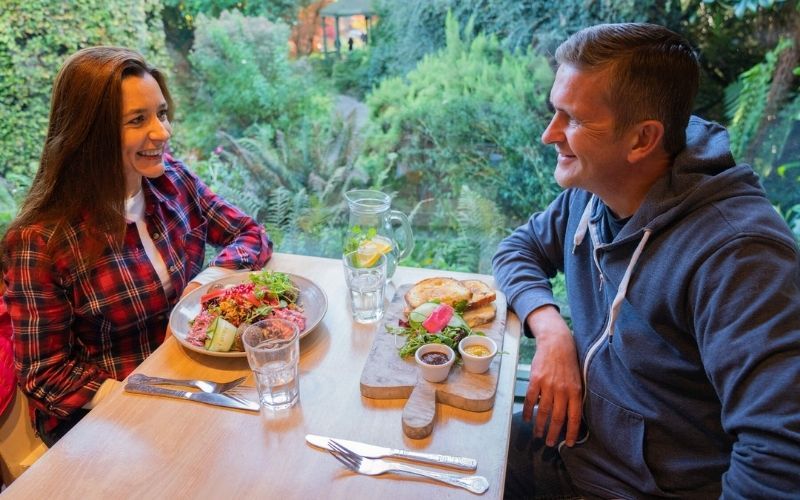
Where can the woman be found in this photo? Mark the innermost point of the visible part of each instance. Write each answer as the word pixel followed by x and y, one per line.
pixel 111 235
pixel 8 380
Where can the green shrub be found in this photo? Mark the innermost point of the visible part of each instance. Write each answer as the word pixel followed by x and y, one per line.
pixel 36 36
pixel 410 29
pixel 471 113
pixel 350 75
pixel 242 77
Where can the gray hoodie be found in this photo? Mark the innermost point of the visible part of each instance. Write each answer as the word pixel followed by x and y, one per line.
pixel 687 327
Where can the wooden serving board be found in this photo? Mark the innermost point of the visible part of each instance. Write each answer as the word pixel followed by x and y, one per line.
pixel 387 376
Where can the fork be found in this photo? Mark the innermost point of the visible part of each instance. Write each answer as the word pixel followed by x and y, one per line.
pixel 374 467
pixel 227 388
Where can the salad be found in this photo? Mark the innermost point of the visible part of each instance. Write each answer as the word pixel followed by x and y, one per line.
pixel 431 323
pixel 225 311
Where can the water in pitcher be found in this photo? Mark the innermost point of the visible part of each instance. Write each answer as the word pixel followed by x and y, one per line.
pixel 374 228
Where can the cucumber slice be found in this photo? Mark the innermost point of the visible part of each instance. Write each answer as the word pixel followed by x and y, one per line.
pixel 220 335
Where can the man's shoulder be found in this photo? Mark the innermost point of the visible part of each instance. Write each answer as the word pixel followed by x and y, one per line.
pixel 750 217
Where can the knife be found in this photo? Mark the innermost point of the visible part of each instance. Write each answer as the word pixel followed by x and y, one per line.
pixel 202 397
pixel 372 451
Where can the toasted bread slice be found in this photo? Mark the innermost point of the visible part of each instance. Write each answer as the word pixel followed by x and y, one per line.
pixel 443 290
pixel 482 293
pixel 480 316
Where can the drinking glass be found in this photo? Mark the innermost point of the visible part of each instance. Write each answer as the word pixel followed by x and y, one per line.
pixel 366 280
pixel 273 352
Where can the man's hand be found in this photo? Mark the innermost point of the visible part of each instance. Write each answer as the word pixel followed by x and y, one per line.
pixel 555 383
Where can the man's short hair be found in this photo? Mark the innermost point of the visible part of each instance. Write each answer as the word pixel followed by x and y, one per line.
pixel 654 74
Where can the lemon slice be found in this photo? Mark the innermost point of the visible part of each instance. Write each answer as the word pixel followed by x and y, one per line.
pixel 370 251
pixel 383 245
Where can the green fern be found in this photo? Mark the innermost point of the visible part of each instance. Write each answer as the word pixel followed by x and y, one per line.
pixel 746 99
pixel 293 184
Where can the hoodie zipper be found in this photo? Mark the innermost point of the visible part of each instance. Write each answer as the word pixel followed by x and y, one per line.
pixel 597 246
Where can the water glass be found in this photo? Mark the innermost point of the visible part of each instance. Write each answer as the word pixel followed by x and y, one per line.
pixel 366 281
pixel 273 352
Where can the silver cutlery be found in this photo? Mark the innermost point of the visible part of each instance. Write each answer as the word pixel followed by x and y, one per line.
pixel 374 467
pixel 372 451
pixel 211 398
pixel 203 385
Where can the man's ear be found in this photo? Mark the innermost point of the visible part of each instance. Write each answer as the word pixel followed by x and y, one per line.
pixel 645 138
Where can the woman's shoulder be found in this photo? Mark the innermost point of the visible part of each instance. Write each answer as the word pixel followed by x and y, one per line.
pixel 36 233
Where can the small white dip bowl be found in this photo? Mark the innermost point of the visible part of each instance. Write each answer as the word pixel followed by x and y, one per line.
pixel 431 372
pixel 477 364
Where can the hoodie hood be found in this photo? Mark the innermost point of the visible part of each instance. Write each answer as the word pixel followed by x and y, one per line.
pixel 704 172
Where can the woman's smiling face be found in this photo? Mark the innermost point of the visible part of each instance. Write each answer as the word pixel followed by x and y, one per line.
pixel 145 130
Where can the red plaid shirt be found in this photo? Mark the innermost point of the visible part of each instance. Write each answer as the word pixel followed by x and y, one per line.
pixel 76 326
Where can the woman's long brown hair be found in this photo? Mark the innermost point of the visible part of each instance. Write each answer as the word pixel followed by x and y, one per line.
pixel 81 176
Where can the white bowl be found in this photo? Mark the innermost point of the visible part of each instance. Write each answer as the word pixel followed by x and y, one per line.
pixel 473 363
pixel 430 372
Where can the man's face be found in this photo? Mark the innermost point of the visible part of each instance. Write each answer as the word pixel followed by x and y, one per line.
pixel 590 156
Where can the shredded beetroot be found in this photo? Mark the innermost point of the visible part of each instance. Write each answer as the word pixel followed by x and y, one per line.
pixel 197 333
pixel 292 315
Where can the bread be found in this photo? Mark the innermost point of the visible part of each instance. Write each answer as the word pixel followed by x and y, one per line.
pixel 480 315
pixel 482 293
pixel 444 290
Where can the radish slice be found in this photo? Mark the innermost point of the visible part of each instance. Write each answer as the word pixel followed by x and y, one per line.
pixel 438 318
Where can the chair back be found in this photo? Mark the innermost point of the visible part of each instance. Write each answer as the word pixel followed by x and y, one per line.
pixel 20 447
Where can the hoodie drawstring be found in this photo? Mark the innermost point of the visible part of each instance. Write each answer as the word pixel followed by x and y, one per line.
pixel 583 225
pixel 616 305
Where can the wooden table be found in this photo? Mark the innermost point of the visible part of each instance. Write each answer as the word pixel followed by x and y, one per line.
pixel 133 446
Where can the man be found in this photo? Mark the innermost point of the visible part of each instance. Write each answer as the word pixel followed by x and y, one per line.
pixel 681 374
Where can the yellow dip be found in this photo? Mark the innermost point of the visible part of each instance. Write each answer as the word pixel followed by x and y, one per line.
pixel 477 350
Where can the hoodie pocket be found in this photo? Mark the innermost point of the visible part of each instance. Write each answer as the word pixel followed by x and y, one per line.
pixel 612 458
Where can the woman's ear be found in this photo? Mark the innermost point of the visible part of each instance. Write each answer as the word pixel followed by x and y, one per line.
pixel 646 138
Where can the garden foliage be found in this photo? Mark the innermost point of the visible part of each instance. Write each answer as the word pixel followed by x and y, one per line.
pixel 409 30
pixel 293 184
pixel 469 114
pixel 180 16
pixel 242 77
pixel 774 149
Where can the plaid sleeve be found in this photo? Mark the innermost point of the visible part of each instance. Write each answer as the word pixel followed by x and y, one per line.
pixel 41 314
pixel 245 243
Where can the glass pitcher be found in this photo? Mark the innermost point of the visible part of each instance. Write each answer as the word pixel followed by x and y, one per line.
pixel 377 229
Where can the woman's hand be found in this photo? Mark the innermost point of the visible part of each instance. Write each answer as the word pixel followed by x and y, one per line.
pixel 192 285
pixel 555 383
